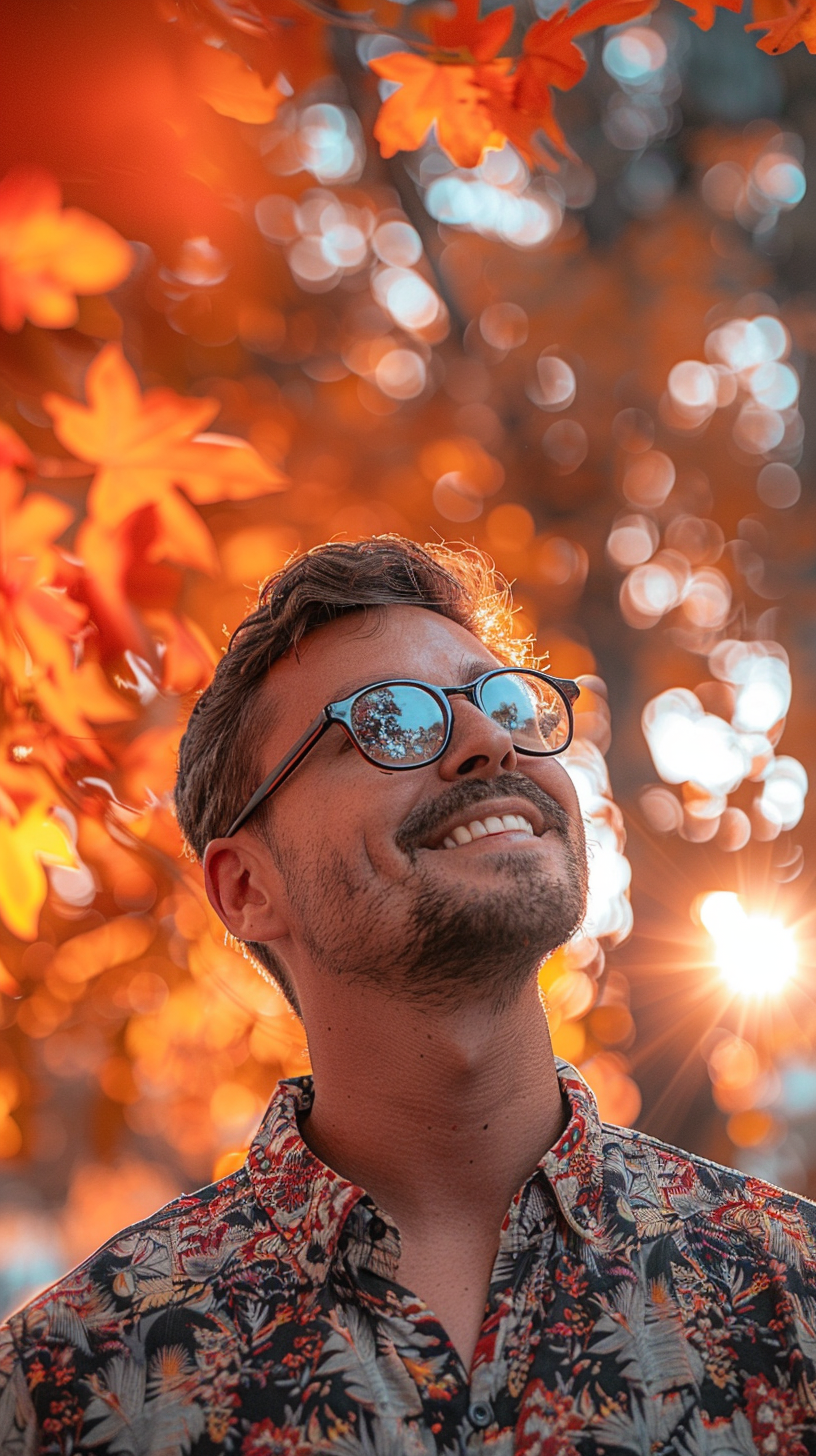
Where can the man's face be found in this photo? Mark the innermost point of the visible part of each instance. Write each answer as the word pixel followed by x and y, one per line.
pixel 372 891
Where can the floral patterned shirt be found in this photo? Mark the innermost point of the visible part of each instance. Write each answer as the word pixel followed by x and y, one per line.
pixel 642 1300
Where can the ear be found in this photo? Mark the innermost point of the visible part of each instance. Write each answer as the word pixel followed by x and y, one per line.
pixel 244 888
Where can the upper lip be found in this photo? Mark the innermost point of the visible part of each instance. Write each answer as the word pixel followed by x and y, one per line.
pixel 486 809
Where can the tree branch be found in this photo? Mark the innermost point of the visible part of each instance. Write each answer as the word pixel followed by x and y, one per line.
pixel 394 169
pixel 256 22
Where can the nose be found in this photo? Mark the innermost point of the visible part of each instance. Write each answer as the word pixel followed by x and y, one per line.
pixel 479 747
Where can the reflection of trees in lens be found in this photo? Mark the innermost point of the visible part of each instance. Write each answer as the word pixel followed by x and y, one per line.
pixel 544 720
pixel 507 715
pixel 552 725
pixel 515 712
pixel 378 720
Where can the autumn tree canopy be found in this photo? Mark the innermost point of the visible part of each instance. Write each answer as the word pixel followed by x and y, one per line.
pixel 281 270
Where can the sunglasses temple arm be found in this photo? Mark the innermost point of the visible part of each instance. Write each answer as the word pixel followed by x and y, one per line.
pixel 282 770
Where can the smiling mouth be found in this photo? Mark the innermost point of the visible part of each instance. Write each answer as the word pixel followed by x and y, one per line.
pixel 484 828
pixel 510 805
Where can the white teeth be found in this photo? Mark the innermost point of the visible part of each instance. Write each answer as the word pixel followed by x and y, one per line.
pixel 480 828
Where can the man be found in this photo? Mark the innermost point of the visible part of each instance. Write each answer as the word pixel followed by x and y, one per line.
pixel 434 1246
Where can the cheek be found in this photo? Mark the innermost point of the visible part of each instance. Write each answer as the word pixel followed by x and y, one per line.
pixel 567 795
pixel 349 816
pixel 552 777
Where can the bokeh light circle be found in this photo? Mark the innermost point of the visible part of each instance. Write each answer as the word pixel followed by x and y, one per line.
pixel 778 485
pixel 397 243
pixel 556 382
pixel 401 374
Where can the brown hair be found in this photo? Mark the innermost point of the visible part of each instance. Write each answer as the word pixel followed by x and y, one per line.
pixel 219 756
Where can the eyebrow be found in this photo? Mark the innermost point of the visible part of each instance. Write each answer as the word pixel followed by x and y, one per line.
pixel 472 667
pixel 469 668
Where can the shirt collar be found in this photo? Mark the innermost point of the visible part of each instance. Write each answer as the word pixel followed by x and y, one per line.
pixel 574 1165
pixel 307 1201
pixel 310 1204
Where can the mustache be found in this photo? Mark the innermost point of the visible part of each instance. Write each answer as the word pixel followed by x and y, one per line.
pixel 425 819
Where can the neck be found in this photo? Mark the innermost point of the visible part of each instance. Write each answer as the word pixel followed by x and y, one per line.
pixel 428 1110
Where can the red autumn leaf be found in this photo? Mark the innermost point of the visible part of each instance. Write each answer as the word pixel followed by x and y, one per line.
pixel 796 26
pixel 476 107
pixel 49 254
pixel 769 10
pixel 148 449
pixel 478 40
pixel 705 11
pixel 452 97
pixel 40 625
pixel 522 127
pixel 187 656
pixel 42 629
pixel 149 763
pixel 551 57
pixel 107 557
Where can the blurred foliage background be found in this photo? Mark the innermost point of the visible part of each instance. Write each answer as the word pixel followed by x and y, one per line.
pixel 272 272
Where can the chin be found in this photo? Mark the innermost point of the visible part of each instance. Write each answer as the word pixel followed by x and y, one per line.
pixel 498 938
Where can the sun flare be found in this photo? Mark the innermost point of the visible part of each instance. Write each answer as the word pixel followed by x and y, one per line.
pixel 756 953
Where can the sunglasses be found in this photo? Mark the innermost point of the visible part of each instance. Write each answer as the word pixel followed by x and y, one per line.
pixel 401 724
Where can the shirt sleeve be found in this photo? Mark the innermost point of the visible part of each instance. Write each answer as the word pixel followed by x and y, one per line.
pixel 18 1420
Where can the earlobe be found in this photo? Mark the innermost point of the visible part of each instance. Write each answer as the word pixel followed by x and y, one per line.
pixel 243 889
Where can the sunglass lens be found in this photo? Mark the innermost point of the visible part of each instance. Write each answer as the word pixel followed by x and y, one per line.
pixel 398 725
pixel 534 713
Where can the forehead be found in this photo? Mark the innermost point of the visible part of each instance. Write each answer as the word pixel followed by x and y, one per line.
pixel 399 641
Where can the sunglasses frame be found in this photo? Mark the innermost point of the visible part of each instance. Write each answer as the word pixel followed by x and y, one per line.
pixel 340 712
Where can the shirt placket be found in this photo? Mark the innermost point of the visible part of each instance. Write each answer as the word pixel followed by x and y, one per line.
pixel 526 1238
pixel 372 1248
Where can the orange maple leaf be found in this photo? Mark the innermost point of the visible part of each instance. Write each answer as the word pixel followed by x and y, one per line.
pixel 188 657
pixel 231 88
pixel 38 622
pixel 705 11
pixel 551 57
pixel 148 764
pixel 478 107
pixel 475 39
pixel 148 449
pixel 35 839
pixel 452 97
pixel 40 626
pixel 797 25
pixel 522 127
pixel 49 254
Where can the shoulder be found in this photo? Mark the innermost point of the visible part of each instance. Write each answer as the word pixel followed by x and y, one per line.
pixel 667 1188
pixel 174 1258
pixel 160 1290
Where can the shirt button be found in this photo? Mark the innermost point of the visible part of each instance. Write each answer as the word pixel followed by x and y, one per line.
pixel 480 1414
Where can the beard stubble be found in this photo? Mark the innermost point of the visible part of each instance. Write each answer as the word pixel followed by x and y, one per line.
pixel 455 944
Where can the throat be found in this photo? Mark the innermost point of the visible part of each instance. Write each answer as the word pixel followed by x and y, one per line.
pixel 450 1271
pixel 440 1120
